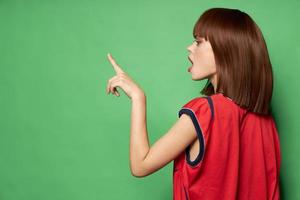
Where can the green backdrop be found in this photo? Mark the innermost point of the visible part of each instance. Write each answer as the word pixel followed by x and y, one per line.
pixel 62 137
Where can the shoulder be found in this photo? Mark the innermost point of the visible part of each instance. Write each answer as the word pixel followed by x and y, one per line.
pixel 197 101
pixel 196 105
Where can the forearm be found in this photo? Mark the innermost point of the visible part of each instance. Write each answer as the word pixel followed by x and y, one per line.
pixel 139 142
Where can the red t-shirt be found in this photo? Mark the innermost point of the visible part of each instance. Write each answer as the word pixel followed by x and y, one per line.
pixel 239 156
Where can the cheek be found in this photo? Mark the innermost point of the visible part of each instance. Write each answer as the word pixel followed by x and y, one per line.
pixel 205 60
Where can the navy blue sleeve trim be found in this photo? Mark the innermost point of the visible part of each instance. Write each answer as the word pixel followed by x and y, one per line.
pixel 200 137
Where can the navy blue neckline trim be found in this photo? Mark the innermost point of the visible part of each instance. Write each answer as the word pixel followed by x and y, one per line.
pixel 200 137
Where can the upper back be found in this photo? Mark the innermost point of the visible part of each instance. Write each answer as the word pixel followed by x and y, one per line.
pixel 239 152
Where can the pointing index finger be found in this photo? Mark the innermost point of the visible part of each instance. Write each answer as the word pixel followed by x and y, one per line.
pixel 116 67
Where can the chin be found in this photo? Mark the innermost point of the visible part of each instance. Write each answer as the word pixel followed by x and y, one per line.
pixel 198 78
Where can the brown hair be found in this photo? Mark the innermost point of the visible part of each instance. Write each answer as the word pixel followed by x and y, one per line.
pixel 243 66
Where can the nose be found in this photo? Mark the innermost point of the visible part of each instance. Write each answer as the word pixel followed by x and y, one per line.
pixel 189 48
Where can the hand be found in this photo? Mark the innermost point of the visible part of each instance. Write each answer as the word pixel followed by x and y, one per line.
pixel 122 79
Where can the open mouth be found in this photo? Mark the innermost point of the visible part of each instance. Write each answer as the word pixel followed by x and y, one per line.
pixel 190 68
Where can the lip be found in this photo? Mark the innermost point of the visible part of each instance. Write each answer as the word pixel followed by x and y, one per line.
pixel 190 68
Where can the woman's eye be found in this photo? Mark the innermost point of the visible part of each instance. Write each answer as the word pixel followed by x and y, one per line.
pixel 197 42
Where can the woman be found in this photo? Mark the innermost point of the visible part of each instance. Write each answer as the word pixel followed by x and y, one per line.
pixel 225 144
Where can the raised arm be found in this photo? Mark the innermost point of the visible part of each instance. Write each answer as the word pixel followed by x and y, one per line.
pixel 143 159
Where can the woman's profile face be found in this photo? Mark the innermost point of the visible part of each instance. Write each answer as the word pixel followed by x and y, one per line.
pixel 202 59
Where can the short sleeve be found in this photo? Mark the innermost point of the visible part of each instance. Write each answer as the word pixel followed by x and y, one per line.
pixel 201 112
